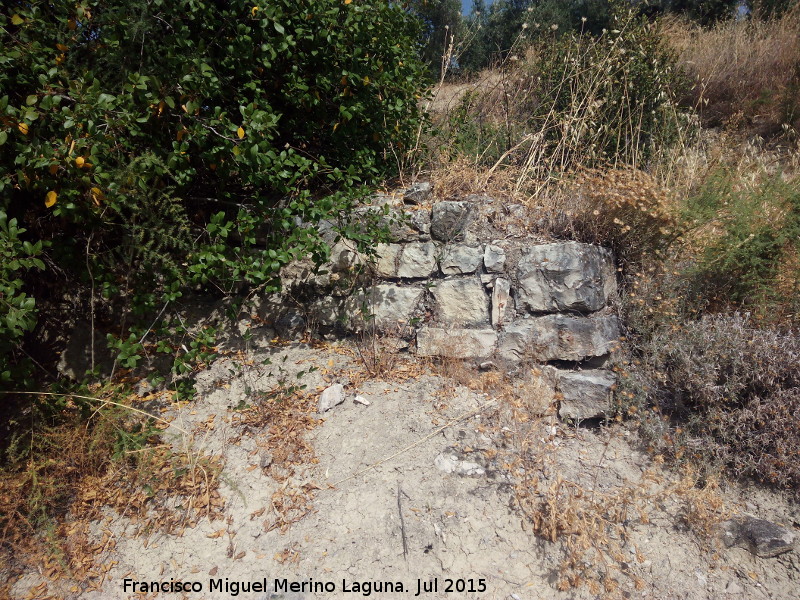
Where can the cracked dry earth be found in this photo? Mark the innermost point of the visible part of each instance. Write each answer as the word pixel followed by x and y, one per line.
pixel 423 484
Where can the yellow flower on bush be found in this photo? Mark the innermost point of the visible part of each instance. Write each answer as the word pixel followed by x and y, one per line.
pixel 50 199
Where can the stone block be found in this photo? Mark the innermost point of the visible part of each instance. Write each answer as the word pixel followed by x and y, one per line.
pixel 501 296
pixel 565 276
pixel 449 220
pixel 388 255
pixel 386 305
pixel 393 304
pixel 403 225
pixel 417 260
pixel 559 337
pixel 456 343
pixel 418 193
pixel 494 258
pixel 460 259
pixel 585 394
pixel 461 301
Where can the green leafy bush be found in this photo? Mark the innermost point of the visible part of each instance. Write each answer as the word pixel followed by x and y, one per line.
pixel 164 145
pixel 17 309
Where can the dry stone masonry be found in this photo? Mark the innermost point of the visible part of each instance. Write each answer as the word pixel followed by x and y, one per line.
pixel 466 279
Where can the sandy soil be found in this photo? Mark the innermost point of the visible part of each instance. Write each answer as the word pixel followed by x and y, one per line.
pixel 418 489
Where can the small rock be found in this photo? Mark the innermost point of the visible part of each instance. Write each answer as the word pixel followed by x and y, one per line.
pixel 494 258
pixel 361 400
pixel 144 388
pixel 446 462
pixel 330 397
pixel 418 193
pixel 761 537
pixel 487 366
pixel 734 588
pixel 449 461
pixel 449 220
pixel 266 460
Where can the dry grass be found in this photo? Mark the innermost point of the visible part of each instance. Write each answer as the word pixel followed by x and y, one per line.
pixel 49 499
pixel 743 72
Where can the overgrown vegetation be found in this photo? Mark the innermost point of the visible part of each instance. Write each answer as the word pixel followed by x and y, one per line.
pixel 697 195
pixel 164 146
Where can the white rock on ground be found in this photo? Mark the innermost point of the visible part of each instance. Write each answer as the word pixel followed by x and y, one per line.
pixel 330 397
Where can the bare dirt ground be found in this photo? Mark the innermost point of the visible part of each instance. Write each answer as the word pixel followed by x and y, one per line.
pixel 438 483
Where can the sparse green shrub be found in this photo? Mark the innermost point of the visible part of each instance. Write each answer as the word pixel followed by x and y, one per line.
pixel 604 98
pixel 749 238
pixel 573 101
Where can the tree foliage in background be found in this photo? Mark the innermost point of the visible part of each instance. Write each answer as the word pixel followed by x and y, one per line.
pixel 442 25
pixel 765 9
pixel 159 145
pixel 706 12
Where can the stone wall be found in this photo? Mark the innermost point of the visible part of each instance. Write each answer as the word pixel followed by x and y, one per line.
pixel 466 279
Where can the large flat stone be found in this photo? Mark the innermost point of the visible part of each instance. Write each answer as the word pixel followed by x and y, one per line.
pixel 585 394
pixel 559 337
pixel 393 304
pixel 456 343
pixel 387 306
pixel 565 276
pixel 461 302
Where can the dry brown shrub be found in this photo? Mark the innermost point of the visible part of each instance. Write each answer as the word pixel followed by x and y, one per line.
pixel 624 209
pixel 744 72
pixel 47 503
